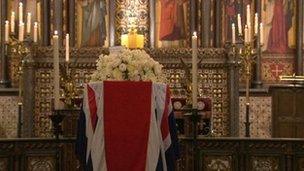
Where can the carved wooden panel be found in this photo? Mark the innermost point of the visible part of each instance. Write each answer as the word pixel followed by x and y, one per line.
pixel 217 162
pixel 8 116
pixel 39 163
pixel 259 163
pixel 4 164
pixel 260 117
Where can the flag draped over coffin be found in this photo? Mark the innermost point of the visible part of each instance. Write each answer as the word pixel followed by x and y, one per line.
pixel 127 126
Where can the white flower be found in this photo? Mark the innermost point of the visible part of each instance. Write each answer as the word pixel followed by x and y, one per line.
pixel 122 67
pixel 134 65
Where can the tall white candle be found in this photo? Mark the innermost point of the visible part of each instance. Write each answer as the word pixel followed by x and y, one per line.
pixel 35 36
pixel 233 33
pixel 6 35
pixel 246 34
pixel 56 70
pixel 13 16
pixel 20 12
pixel 28 23
pixel 249 32
pixel 248 15
pixel 194 71
pixel 67 47
pixel 239 24
pixel 261 34
pixel 256 23
pixel 21 32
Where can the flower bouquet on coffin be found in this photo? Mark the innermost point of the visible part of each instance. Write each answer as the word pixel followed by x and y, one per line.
pixel 129 65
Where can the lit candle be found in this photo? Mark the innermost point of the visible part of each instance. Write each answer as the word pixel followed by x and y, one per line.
pixel 261 34
pixel 35 36
pixel 6 31
pixel 194 71
pixel 56 70
pixel 67 47
pixel 246 34
pixel 28 23
pixel 249 32
pixel 239 24
pixel 233 33
pixel 256 23
pixel 20 12
pixel 21 32
pixel 13 22
pixel 248 15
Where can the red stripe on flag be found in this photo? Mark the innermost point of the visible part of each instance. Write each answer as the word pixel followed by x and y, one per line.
pixel 127 112
pixel 164 122
pixel 92 107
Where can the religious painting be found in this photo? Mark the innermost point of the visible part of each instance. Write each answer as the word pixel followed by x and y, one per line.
pixel 171 23
pixel 279 19
pixel 92 23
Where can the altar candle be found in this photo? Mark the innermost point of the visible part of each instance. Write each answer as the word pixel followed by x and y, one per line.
pixel 194 71
pixel 35 36
pixel 28 23
pixel 261 34
pixel 248 15
pixel 21 32
pixel 233 33
pixel 256 23
pixel 249 32
pixel 6 31
pixel 56 70
pixel 67 47
pixel 239 24
pixel 13 22
pixel 20 12
pixel 246 34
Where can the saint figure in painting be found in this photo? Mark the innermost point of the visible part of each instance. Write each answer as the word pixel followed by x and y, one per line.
pixel 93 22
pixel 172 23
pixel 281 23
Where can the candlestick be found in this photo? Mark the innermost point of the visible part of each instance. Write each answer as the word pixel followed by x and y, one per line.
pixel 194 71
pixel 28 23
pixel 248 15
pixel 35 36
pixel 246 34
pixel 233 33
pixel 67 47
pixel 6 31
pixel 20 12
pixel 56 70
pixel 239 24
pixel 261 34
pixel 256 23
pixel 13 22
pixel 21 32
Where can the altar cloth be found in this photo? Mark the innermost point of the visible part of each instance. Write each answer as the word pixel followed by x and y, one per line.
pixel 127 126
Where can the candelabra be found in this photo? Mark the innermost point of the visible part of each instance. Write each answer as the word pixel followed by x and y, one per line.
pixel 68 85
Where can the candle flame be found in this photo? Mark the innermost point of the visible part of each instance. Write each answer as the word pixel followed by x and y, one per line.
pixel 194 34
pixel 6 21
pixel 20 4
pixel 56 32
pixel 35 23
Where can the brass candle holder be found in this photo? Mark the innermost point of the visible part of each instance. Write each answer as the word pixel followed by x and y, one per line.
pixel 68 85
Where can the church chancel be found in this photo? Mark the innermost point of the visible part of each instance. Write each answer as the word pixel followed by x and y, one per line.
pixel 131 85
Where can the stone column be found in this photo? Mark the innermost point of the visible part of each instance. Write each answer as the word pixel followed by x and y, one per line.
pixel 4 82
pixel 58 17
pixel 218 25
pixel 71 20
pixel 112 22
pixel 257 80
pixel 205 37
pixel 46 24
pixel 299 60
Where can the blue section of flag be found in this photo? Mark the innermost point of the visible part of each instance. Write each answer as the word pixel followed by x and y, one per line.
pixel 172 153
pixel 81 143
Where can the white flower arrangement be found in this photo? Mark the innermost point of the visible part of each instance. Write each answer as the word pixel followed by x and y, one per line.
pixel 132 65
